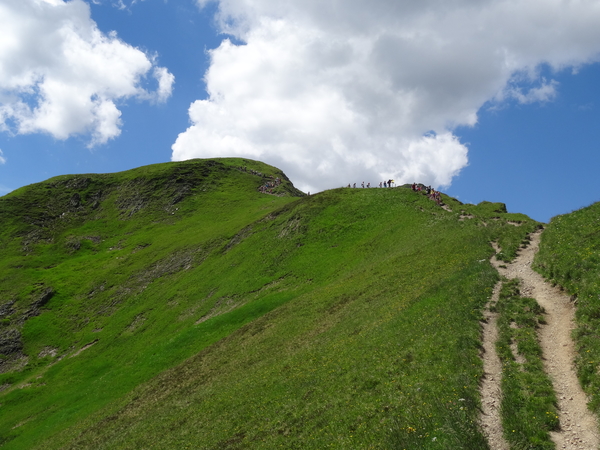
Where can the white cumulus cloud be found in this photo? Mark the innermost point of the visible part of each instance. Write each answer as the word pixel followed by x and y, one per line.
pixel 165 83
pixel 545 92
pixel 60 75
pixel 337 92
pixel 2 158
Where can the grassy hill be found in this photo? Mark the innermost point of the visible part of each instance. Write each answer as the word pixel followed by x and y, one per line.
pixel 570 257
pixel 183 305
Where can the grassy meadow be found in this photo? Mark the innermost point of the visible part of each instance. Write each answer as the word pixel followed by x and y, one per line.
pixel 176 306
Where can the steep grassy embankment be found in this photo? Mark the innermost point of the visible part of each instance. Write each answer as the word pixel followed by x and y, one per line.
pixel 221 317
pixel 570 256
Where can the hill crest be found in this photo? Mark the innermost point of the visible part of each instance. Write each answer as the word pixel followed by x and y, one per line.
pixel 134 294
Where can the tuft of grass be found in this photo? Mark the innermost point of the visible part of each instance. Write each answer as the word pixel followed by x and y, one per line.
pixel 529 405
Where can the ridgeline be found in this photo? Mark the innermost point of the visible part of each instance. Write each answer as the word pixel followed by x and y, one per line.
pixel 209 304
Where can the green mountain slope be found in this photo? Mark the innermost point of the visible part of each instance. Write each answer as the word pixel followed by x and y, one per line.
pixel 179 305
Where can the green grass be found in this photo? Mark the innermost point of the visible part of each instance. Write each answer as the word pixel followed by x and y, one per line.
pixel 529 402
pixel 233 319
pixel 570 257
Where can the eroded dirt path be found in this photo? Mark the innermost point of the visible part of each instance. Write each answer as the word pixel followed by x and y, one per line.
pixel 579 427
pixel 491 390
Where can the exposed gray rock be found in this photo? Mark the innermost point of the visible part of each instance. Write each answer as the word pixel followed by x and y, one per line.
pixel 75 200
pixel 7 309
pixel 44 297
pixel 10 342
pixel 34 308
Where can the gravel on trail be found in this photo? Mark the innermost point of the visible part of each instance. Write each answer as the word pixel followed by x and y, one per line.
pixel 578 425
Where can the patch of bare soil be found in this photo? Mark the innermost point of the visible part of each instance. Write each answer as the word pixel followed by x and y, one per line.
pixel 222 306
pixel 491 391
pixel 578 426
pixel 85 347
pixel 48 351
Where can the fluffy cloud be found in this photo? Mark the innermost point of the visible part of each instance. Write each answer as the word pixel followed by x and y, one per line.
pixel 338 92
pixel 60 75
pixel 119 4
pixel 2 158
pixel 544 93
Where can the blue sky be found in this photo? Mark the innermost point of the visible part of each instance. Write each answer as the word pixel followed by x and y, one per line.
pixel 540 159
pixel 466 97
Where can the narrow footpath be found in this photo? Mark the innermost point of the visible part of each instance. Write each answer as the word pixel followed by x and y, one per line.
pixel 491 390
pixel 578 426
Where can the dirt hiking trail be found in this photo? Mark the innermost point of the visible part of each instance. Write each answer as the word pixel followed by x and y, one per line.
pixel 491 390
pixel 578 426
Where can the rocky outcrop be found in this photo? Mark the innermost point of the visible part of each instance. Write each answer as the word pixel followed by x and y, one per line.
pixel 10 342
pixel 11 350
pixel 7 309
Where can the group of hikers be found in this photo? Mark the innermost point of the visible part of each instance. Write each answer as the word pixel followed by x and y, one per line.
pixel 273 182
pixel 429 191
pixel 269 186
pixel 385 184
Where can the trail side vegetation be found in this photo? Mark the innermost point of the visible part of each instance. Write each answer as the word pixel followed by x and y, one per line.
pixel 569 256
pixel 180 306
pixel 528 400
